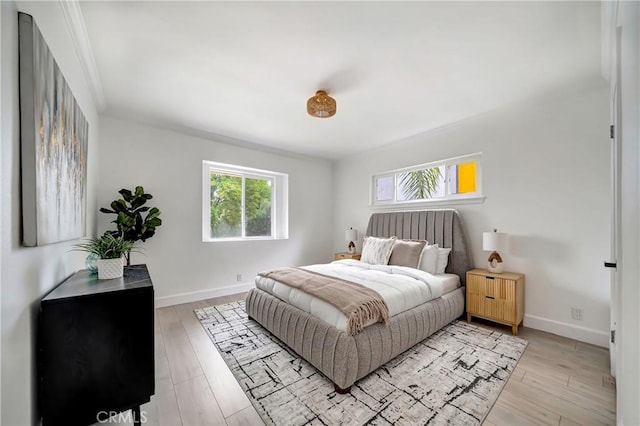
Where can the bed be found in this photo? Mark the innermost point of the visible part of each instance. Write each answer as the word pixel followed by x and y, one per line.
pixel 345 358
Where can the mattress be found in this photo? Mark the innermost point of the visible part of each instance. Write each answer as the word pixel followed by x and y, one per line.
pixel 401 287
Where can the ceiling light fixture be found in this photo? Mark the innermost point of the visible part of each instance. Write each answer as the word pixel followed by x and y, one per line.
pixel 321 105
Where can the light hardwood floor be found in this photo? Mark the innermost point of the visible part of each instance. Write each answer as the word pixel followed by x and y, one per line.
pixel 558 381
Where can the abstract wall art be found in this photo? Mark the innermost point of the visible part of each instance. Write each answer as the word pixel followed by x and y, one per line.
pixel 53 141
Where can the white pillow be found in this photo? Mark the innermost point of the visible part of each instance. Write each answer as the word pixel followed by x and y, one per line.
pixel 443 260
pixel 377 251
pixel 429 259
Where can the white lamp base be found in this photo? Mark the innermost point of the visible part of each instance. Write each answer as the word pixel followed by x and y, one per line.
pixel 495 267
pixel 494 264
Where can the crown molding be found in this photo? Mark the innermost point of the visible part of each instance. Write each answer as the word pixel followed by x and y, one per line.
pixel 78 31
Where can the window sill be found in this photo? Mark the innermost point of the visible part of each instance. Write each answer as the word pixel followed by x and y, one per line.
pixel 225 240
pixel 410 205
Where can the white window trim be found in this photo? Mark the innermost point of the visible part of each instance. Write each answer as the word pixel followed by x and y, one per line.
pixel 279 200
pixel 476 197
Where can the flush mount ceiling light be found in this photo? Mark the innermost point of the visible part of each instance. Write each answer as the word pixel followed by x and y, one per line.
pixel 321 105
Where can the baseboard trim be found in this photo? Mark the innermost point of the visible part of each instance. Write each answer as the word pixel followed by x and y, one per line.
pixel 177 299
pixel 583 334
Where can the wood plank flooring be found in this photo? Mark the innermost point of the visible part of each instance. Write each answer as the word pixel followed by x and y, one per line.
pixel 558 381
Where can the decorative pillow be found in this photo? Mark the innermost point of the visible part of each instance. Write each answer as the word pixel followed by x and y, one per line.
pixel 443 260
pixel 377 251
pixel 429 259
pixel 407 253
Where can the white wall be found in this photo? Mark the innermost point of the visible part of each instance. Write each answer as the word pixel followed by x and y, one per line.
pixel 628 354
pixel 546 182
pixel 29 273
pixel 168 165
pixel 1 189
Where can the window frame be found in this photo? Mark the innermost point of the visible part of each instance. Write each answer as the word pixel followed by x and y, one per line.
pixel 279 200
pixel 449 199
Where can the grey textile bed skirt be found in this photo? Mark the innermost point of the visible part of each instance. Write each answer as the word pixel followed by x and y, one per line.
pixel 342 358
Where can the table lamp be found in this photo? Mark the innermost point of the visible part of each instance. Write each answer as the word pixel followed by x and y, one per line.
pixel 351 235
pixel 494 241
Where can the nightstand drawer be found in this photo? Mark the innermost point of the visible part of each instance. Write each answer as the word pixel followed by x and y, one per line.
pixel 497 288
pixel 491 307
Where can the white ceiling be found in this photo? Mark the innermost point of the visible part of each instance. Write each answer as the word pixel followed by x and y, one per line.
pixel 245 70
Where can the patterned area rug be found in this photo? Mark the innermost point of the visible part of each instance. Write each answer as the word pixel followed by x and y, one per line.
pixel 452 377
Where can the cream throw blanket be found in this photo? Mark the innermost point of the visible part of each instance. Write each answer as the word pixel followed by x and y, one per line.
pixel 359 304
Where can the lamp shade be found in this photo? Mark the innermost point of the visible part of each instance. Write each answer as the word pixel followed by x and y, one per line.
pixel 351 235
pixel 494 241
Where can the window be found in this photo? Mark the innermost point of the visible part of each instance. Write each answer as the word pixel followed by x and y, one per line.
pixel 442 182
pixel 240 203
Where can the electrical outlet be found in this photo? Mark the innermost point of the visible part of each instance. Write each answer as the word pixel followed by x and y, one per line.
pixel 576 313
pixel 239 277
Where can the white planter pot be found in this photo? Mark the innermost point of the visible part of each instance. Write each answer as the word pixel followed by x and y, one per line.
pixel 110 268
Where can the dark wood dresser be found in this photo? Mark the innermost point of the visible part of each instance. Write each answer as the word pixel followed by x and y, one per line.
pixel 95 347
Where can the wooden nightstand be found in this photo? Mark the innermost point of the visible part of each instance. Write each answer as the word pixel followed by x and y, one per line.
pixel 496 297
pixel 346 255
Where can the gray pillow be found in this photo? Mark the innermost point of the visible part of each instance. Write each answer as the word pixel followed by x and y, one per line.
pixel 376 251
pixel 407 253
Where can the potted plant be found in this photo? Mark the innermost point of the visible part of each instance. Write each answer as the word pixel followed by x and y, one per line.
pixel 134 220
pixel 110 251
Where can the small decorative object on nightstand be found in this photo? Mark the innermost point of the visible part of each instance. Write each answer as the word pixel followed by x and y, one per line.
pixel 494 241
pixel 346 255
pixel 351 235
pixel 496 297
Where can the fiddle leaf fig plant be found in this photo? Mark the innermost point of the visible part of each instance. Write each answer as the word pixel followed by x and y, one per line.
pixel 135 221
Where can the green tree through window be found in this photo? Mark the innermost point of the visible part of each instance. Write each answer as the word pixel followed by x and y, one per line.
pixel 257 207
pixel 229 203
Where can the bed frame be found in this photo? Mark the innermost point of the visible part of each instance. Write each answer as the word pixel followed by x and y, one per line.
pixel 345 359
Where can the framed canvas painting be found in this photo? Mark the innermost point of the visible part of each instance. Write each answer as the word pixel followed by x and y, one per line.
pixel 53 141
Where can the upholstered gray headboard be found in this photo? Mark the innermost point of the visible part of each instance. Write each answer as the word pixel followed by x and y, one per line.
pixel 442 227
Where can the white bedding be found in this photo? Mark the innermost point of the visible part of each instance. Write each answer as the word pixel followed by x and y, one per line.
pixel 401 287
